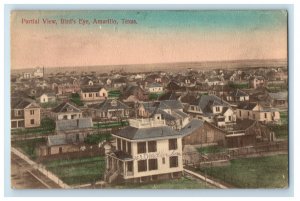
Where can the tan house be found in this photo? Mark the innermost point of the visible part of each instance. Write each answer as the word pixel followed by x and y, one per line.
pixel 146 150
pixel 25 114
pixel 65 111
pixel 92 94
pixel 255 111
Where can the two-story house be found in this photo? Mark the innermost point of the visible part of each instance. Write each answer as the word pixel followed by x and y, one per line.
pixel 146 150
pixel 25 114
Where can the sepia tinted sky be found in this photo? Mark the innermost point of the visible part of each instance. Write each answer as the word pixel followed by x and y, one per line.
pixel 158 37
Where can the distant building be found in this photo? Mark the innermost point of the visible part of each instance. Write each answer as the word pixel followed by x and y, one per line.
pixel 257 82
pixel 255 111
pixel 111 109
pixel 38 72
pixel 92 94
pixel 155 88
pixel 66 111
pixel 146 150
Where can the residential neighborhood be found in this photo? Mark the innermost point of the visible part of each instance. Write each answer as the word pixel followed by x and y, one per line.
pixel 123 129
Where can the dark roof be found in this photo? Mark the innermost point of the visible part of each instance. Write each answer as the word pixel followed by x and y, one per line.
pixel 22 103
pixel 91 89
pixel 122 155
pixel 109 104
pixel 247 106
pixel 190 99
pixel 54 140
pixel 74 124
pixel 191 127
pixel 210 100
pixel 64 107
pixel 169 96
pixel 133 133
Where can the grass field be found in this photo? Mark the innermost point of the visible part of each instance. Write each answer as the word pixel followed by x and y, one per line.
pixel 111 124
pixel 210 149
pixel 281 131
pixel 262 172
pixel 182 183
pixel 28 147
pixel 78 171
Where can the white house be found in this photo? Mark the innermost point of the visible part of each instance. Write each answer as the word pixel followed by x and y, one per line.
pixel 47 98
pixel 146 150
pixel 256 112
pixel 155 88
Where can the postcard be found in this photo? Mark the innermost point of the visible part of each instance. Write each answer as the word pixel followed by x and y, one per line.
pixel 149 99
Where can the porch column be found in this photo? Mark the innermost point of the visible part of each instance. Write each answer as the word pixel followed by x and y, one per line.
pixel 124 168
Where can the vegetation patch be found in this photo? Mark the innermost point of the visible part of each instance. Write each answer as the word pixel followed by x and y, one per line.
pixel 114 94
pixel 210 149
pixel 97 138
pixel 29 147
pixel 110 124
pixel 182 183
pixel 75 98
pixel 238 85
pixel 154 96
pixel 47 126
pixel 262 172
pixel 281 131
pixel 78 171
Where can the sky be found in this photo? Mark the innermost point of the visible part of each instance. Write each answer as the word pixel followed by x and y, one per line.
pixel 158 37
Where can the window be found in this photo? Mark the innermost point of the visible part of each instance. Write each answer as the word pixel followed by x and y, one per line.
pixel 253 116
pixel 60 150
pixel 163 160
pixel 229 118
pixel 240 113
pixel 218 109
pixel 141 147
pixel 97 94
pixel 173 161
pixel 172 144
pixel 90 95
pixel 19 112
pixel 248 114
pixel 142 165
pixel 152 164
pixel 31 112
pixel 77 137
pixel 32 121
pixel 265 115
pixel 129 147
pixel 118 144
pixel 152 146
pixel 129 166
pixel 124 145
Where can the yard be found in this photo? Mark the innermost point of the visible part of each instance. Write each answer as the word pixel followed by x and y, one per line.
pixel 47 126
pixel 262 172
pixel 154 96
pixel 210 149
pixel 110 124
pixel 114 94
pixel 182 183
pixel 28 147
pixel 78 171
pixel 75 98
pixel 281 131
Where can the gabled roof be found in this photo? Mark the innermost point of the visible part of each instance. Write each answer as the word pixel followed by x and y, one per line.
pixel 110 104
pixel 133 133
pixel 74 124
pixel 211 100
pixel 65 107
pixel 91 89
pixel 191 127
pixel 283 95
pixel 24 103
pixel 54 140
pixel 247 106
pixel 239 93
